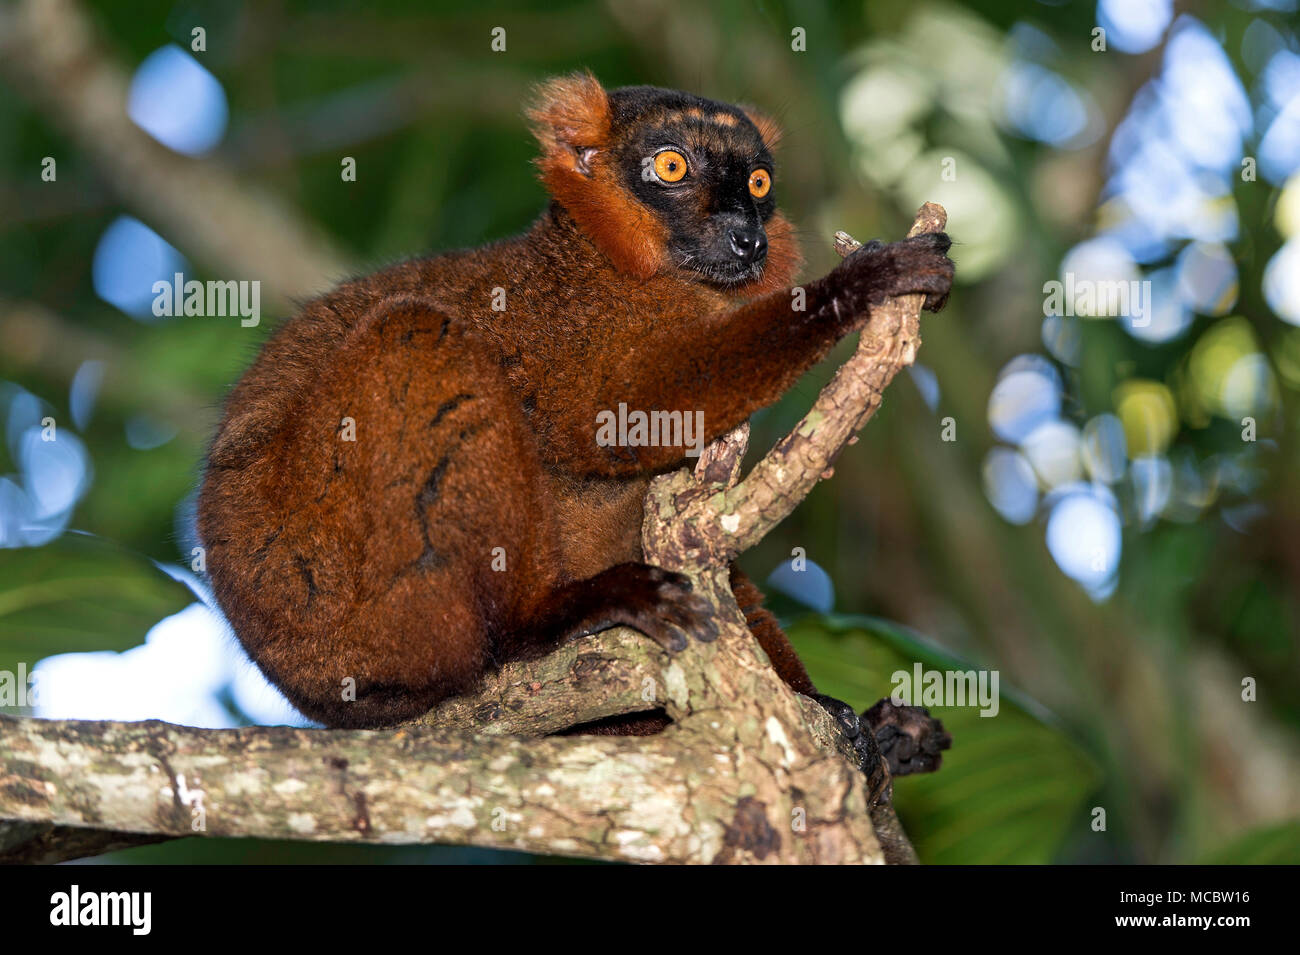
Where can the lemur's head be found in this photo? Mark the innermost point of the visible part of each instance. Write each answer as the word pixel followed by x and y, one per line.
pixel 665 181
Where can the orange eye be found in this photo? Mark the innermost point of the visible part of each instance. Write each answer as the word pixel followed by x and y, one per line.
pixel 759 183
pixel 670 166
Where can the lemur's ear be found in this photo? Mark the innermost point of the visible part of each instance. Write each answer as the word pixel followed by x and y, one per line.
pixel 572 121
pixel 767 127
pixel 570 117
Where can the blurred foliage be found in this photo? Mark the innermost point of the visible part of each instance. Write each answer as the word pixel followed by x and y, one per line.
pixel 1274 845
pixel 1145 682
pixel 79 593
pixel 1012 787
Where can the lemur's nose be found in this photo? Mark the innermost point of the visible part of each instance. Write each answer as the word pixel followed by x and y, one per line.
pixel 748 244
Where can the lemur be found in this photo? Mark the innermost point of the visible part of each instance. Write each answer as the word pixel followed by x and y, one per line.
pixel 407 435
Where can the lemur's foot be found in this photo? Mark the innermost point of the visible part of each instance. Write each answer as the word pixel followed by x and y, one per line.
pixel 910 739
pixel 660 603
pixel 859 734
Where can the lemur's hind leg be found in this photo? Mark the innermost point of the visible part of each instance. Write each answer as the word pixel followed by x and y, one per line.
pixel 367 544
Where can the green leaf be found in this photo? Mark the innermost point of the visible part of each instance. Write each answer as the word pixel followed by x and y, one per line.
pixel 1012 788
pixel 78 593
pixel 1267 845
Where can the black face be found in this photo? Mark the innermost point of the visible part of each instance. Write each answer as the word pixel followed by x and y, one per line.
pixel 703 167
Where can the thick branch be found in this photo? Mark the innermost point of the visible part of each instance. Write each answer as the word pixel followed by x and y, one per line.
pixel 635 799
pixel 610 673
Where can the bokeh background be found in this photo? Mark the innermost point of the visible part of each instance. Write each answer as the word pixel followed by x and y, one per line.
pixel 1102 507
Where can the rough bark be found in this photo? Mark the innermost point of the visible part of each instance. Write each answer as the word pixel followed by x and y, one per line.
pixel 684 796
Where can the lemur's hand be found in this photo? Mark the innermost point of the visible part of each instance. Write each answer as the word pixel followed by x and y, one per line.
pixel 876 271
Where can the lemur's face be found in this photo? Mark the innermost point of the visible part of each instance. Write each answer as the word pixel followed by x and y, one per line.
pixel 703 168
pixel 664 181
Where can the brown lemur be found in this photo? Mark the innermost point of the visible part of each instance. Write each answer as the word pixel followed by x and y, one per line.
pixel 407 487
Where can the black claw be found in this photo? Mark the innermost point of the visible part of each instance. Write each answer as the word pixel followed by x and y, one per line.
pixel 657 602
pixel 843 713
pixel 673 638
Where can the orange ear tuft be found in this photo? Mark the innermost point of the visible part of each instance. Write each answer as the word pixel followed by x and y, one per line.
pixel 569 114
pixel 767 126
pixel 571 120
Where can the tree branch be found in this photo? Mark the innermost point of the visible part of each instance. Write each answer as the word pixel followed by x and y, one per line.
pixel 640 799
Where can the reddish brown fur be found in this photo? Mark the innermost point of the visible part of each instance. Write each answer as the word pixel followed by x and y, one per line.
pixel 570 119
pixel 372 560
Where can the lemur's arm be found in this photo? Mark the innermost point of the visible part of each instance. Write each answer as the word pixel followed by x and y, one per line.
pixel 730 365
pixel 661 186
